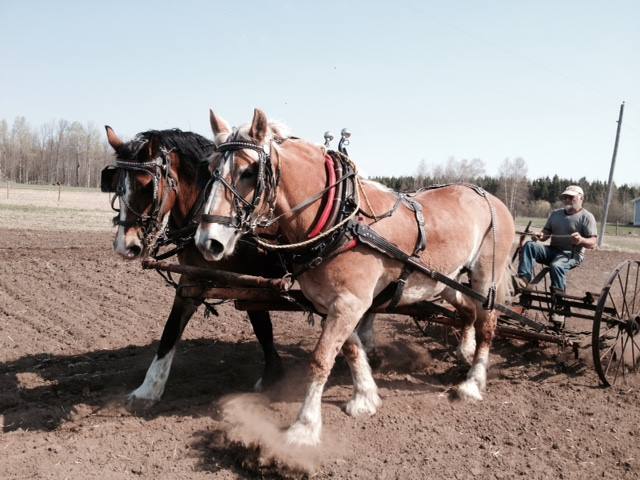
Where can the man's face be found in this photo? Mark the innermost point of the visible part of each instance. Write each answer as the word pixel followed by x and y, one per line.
pixel 572 203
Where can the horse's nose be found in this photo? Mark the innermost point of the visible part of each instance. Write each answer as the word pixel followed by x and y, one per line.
pixel 215 247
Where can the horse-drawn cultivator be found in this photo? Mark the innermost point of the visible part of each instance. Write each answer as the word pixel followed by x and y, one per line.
pixel 613 314
pixel 276 208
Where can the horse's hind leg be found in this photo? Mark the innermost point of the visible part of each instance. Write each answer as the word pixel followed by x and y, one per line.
pixel 467 311
pixel 262 327
pixel 154 382
pixel 367 338
pixel 485 326
pixel 476 381
pixel 365 400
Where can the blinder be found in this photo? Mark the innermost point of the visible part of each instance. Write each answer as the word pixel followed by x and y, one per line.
pixel 108 179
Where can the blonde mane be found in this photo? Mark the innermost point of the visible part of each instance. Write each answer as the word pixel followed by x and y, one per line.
pixel 277 130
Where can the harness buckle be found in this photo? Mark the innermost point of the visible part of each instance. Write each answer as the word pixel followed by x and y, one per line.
pixel 315 262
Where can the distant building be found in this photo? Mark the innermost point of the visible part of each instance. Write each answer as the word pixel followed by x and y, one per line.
pixel 636 212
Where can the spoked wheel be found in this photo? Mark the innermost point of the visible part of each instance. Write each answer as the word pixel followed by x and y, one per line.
pixel 616 327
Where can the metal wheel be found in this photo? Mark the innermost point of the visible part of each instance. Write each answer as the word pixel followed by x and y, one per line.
pixel 615 338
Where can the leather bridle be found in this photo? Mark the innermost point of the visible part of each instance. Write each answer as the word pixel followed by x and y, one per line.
pixel 159 169
pixel 247 217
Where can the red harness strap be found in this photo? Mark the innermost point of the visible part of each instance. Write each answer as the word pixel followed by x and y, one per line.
pixel 353 243
pixel 331 174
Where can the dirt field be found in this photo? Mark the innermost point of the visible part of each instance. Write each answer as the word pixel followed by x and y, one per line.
pixel 79 327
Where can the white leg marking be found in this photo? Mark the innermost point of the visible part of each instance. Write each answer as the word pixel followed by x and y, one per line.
pixel 365 400
pixel 307 428
pixel 154 381
pixel 467 346
pixel 476 382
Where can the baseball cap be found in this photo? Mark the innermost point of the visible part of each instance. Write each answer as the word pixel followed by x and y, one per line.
pixel 572 190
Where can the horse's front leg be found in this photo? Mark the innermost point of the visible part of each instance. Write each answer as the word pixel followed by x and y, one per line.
pixel 342 317
pixel 155 380
pixel 262 327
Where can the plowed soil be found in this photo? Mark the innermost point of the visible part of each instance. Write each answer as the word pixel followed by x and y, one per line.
pixel 79 327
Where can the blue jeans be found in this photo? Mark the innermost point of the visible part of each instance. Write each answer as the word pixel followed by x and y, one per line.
pixel 559 262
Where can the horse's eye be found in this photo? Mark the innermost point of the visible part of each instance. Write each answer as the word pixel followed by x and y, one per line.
pixel 247 174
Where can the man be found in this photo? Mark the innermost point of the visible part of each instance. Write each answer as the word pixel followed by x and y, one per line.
pixel 572 229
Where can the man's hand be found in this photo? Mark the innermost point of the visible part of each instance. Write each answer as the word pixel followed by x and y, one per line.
pixel 576 238
pixel 539 236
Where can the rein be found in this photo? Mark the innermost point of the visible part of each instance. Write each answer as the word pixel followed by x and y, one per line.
pixel 247 217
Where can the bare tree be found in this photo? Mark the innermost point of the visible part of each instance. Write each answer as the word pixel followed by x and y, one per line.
pixel 457 171
pixel 61 131
pixel 513 177
pixel 421 173
pixel 4 146
pixel 57 151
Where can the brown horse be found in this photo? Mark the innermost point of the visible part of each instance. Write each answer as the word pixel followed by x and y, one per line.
pixel 159 178
pixel 467 230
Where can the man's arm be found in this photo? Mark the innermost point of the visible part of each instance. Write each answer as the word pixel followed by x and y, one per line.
pixel 586 242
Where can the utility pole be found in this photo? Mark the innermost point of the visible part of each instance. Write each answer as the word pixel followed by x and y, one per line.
pixel 610 187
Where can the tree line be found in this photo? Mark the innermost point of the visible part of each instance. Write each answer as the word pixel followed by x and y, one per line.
pixel 524 196
pixel 70 153
pixel 58 152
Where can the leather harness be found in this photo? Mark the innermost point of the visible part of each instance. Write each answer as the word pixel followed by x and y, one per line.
pixel 309 254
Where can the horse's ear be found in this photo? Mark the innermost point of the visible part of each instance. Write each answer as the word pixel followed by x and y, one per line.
pixel 113 139
pixel 153 144
pixel 259 125
pixel 218 124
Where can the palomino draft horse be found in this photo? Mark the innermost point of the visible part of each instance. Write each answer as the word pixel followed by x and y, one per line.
pixel 262 178
pixel 159 178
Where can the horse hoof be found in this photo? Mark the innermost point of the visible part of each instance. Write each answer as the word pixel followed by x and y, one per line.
pixel 469 390
pixel 362 405
pixel 135 403
pixel 300 434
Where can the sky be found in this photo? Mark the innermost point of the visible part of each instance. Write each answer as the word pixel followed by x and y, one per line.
pixel 412 80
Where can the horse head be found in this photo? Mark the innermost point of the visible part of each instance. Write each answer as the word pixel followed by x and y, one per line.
pixel 245 181
pixel 147 177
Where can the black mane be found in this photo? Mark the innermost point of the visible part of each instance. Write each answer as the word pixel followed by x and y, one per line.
pixel 193 149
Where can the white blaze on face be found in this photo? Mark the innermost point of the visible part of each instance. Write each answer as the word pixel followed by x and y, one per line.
pixel 120 241
pixel 126 238
pixel 206 232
